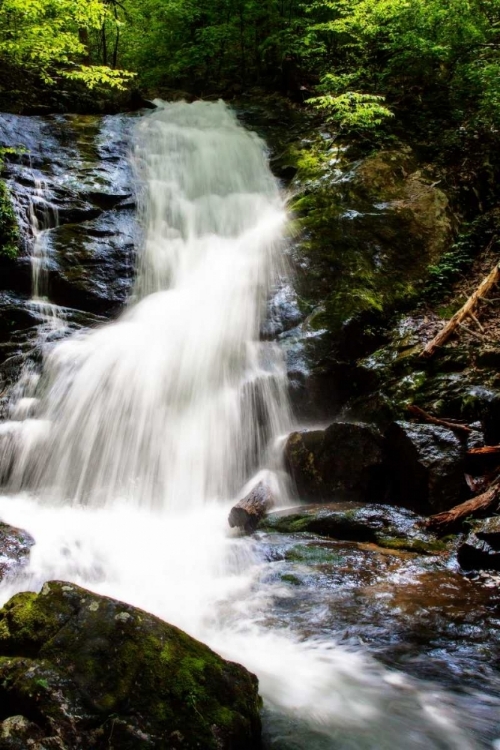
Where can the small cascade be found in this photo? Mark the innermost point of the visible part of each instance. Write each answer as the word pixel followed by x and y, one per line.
pixel 150 427
pixel 43 217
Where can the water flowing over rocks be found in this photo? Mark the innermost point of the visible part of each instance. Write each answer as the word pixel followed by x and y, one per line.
pixel 15 545
pixel 388 527
pixel 136 432
pixel 82 670
pixel 74 196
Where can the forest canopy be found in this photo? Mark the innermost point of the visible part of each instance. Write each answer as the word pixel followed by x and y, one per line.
pixel 359 60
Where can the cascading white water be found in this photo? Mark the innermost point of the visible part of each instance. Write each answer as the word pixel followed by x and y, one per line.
pixel 43 217
pixel 161 408
pixel 151 426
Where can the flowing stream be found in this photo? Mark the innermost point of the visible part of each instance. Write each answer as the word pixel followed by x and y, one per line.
pixel 148 428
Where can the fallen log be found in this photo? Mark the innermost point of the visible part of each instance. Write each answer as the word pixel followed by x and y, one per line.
pixel 467 310
pixel 486 449
pixel 422 415
pixel 475 507
pixel 247 513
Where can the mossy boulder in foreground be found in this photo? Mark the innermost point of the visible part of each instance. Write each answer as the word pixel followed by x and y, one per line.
pixel 78 670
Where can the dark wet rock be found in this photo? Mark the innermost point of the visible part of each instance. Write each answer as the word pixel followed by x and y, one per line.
pixel 372 227
pixel 92 264
pixel 15 545
pixel 489 356
pixel 15 315
pixel 392 528
pixel 426 467
pixel 484 404
pixel 72 173
pixel 18 733
pixel 345 458
pixel 90 672
pixel 481 548
pixel 283 313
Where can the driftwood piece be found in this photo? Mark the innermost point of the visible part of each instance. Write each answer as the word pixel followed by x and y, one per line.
pixel 422 415
pixel 247 513
pixel 465 311
pixel 475 507
pixel 485 450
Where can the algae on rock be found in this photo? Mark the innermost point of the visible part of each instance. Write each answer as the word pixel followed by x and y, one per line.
pixel 92 672
pixel 373 226
pixel 9 231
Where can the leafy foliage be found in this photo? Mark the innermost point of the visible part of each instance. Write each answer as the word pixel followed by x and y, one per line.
pixel 353 110
pixel 51 37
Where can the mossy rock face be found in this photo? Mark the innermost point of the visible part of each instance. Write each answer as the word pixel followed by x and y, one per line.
pixel 391 528
pixel 9 231
pixel 373 226
pixel 96 673
pixel 462 382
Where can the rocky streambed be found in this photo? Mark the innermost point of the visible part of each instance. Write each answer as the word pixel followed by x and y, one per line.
pixel 354 566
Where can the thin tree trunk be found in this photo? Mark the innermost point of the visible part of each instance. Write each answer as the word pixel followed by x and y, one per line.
pixel 465 311
pixel 477 506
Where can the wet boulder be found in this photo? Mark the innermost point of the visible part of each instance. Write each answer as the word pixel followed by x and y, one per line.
pixel 426 467
pixel 92 264
pixel 15 545
pixel 346 458
pixel 481 548
pixel 393 528
pixel 483 404
pixel 82 670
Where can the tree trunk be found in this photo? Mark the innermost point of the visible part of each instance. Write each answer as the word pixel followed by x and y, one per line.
pixel 247 513
pixel 424 417
pixel 467 310
pixel 475 507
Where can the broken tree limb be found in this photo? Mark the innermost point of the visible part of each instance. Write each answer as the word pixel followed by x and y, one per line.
pixel 476 321
pixel 475 507
pixel 469 307
pixel 471 332
pixel 247 513
pixel 422 415
pixel 486 449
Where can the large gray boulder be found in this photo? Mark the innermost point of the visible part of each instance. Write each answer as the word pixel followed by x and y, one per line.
pixel 344 459
pixel 78 670
pixel 426 467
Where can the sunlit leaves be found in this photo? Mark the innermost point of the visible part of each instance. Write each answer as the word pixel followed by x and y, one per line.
pixel 353 110
pixel 46 35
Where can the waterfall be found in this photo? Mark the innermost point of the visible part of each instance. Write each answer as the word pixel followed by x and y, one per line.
pixel 177 402
pixel 149 427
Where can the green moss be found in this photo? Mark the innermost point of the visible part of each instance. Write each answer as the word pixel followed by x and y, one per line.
pixel 285 524
pixel 422 547
pixel 118 656
pixel 312 554
pixel 291 579
pixel 370 236
pixel 9 230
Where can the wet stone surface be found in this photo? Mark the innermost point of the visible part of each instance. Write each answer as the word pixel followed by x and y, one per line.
pixel 72 178
pixel 15 545
pixel 412 612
